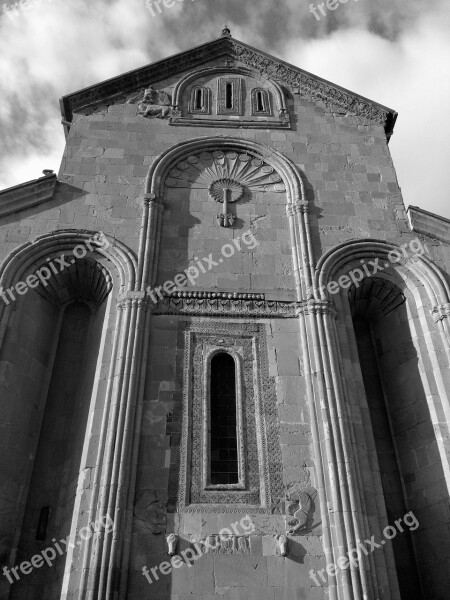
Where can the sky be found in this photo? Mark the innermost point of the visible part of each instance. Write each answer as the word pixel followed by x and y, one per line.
pixel 396 52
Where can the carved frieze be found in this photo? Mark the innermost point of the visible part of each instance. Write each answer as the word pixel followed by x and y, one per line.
pixel 217 304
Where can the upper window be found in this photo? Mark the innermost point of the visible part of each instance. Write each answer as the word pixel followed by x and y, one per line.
pixel 223 425
pixel 261 102
pixel 200 100
pixel 229 96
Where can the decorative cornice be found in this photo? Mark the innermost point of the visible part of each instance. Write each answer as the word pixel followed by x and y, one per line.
pixel 26 195
pixel 222 304
pixel 329 95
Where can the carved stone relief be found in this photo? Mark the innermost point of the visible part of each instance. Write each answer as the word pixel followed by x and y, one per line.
pixel 299 508
pixel 152 103
pixel 150 513
pixel 226 175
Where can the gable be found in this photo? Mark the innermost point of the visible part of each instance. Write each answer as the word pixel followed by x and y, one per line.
pixel 310 87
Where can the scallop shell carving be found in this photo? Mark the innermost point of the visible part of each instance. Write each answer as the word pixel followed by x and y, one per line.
pixel 200 171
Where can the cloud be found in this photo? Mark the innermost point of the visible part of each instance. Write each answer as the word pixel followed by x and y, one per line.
pixel 393 51
pixel 408 76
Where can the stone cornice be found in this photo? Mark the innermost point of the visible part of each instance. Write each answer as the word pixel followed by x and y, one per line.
pixel 26 195
pixel 429 224
pixel 332 97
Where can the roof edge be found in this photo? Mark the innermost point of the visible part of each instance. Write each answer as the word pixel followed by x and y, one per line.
pixel 26 195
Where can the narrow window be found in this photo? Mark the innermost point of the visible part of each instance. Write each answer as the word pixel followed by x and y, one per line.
pixel 199 99
pixel 223 427
pixel 260 102
pixel 229 96
pixel 42 525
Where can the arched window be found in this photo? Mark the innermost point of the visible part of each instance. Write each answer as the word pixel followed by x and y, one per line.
pixel 200 100
pixel 223 435
pixel 261 102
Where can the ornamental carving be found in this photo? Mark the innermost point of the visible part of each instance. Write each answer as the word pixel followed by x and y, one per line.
pixel 299 508
pixel 309 87
pixel 226 176
pixel 200 171
pixel 220 544
pixel 150 513
pixel 263 486
pixel 153 103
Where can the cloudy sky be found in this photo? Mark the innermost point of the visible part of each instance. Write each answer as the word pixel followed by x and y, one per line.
pixel 396 52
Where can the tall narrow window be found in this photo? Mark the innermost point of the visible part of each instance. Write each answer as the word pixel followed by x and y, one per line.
pixel 223 427
pixel 261 104
pixel 229 96
pixel 199 99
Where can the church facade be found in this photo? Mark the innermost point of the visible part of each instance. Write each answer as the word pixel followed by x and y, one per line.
pixel 224 347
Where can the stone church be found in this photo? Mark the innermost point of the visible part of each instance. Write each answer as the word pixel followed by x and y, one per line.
pixel 224 347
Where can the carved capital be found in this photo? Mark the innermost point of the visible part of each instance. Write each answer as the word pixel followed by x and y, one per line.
pixel 297 208
pixel 133 299
pixel 316 307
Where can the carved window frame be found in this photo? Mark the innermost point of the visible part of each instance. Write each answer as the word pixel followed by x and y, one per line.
pixel 267 112
pixel 206 105
pixel 263 487
pixel 236 83
pixel 240 422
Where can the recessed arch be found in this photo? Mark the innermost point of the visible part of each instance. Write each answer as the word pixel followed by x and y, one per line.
pixel 32 254
pixel 286 168
pixel 422 270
